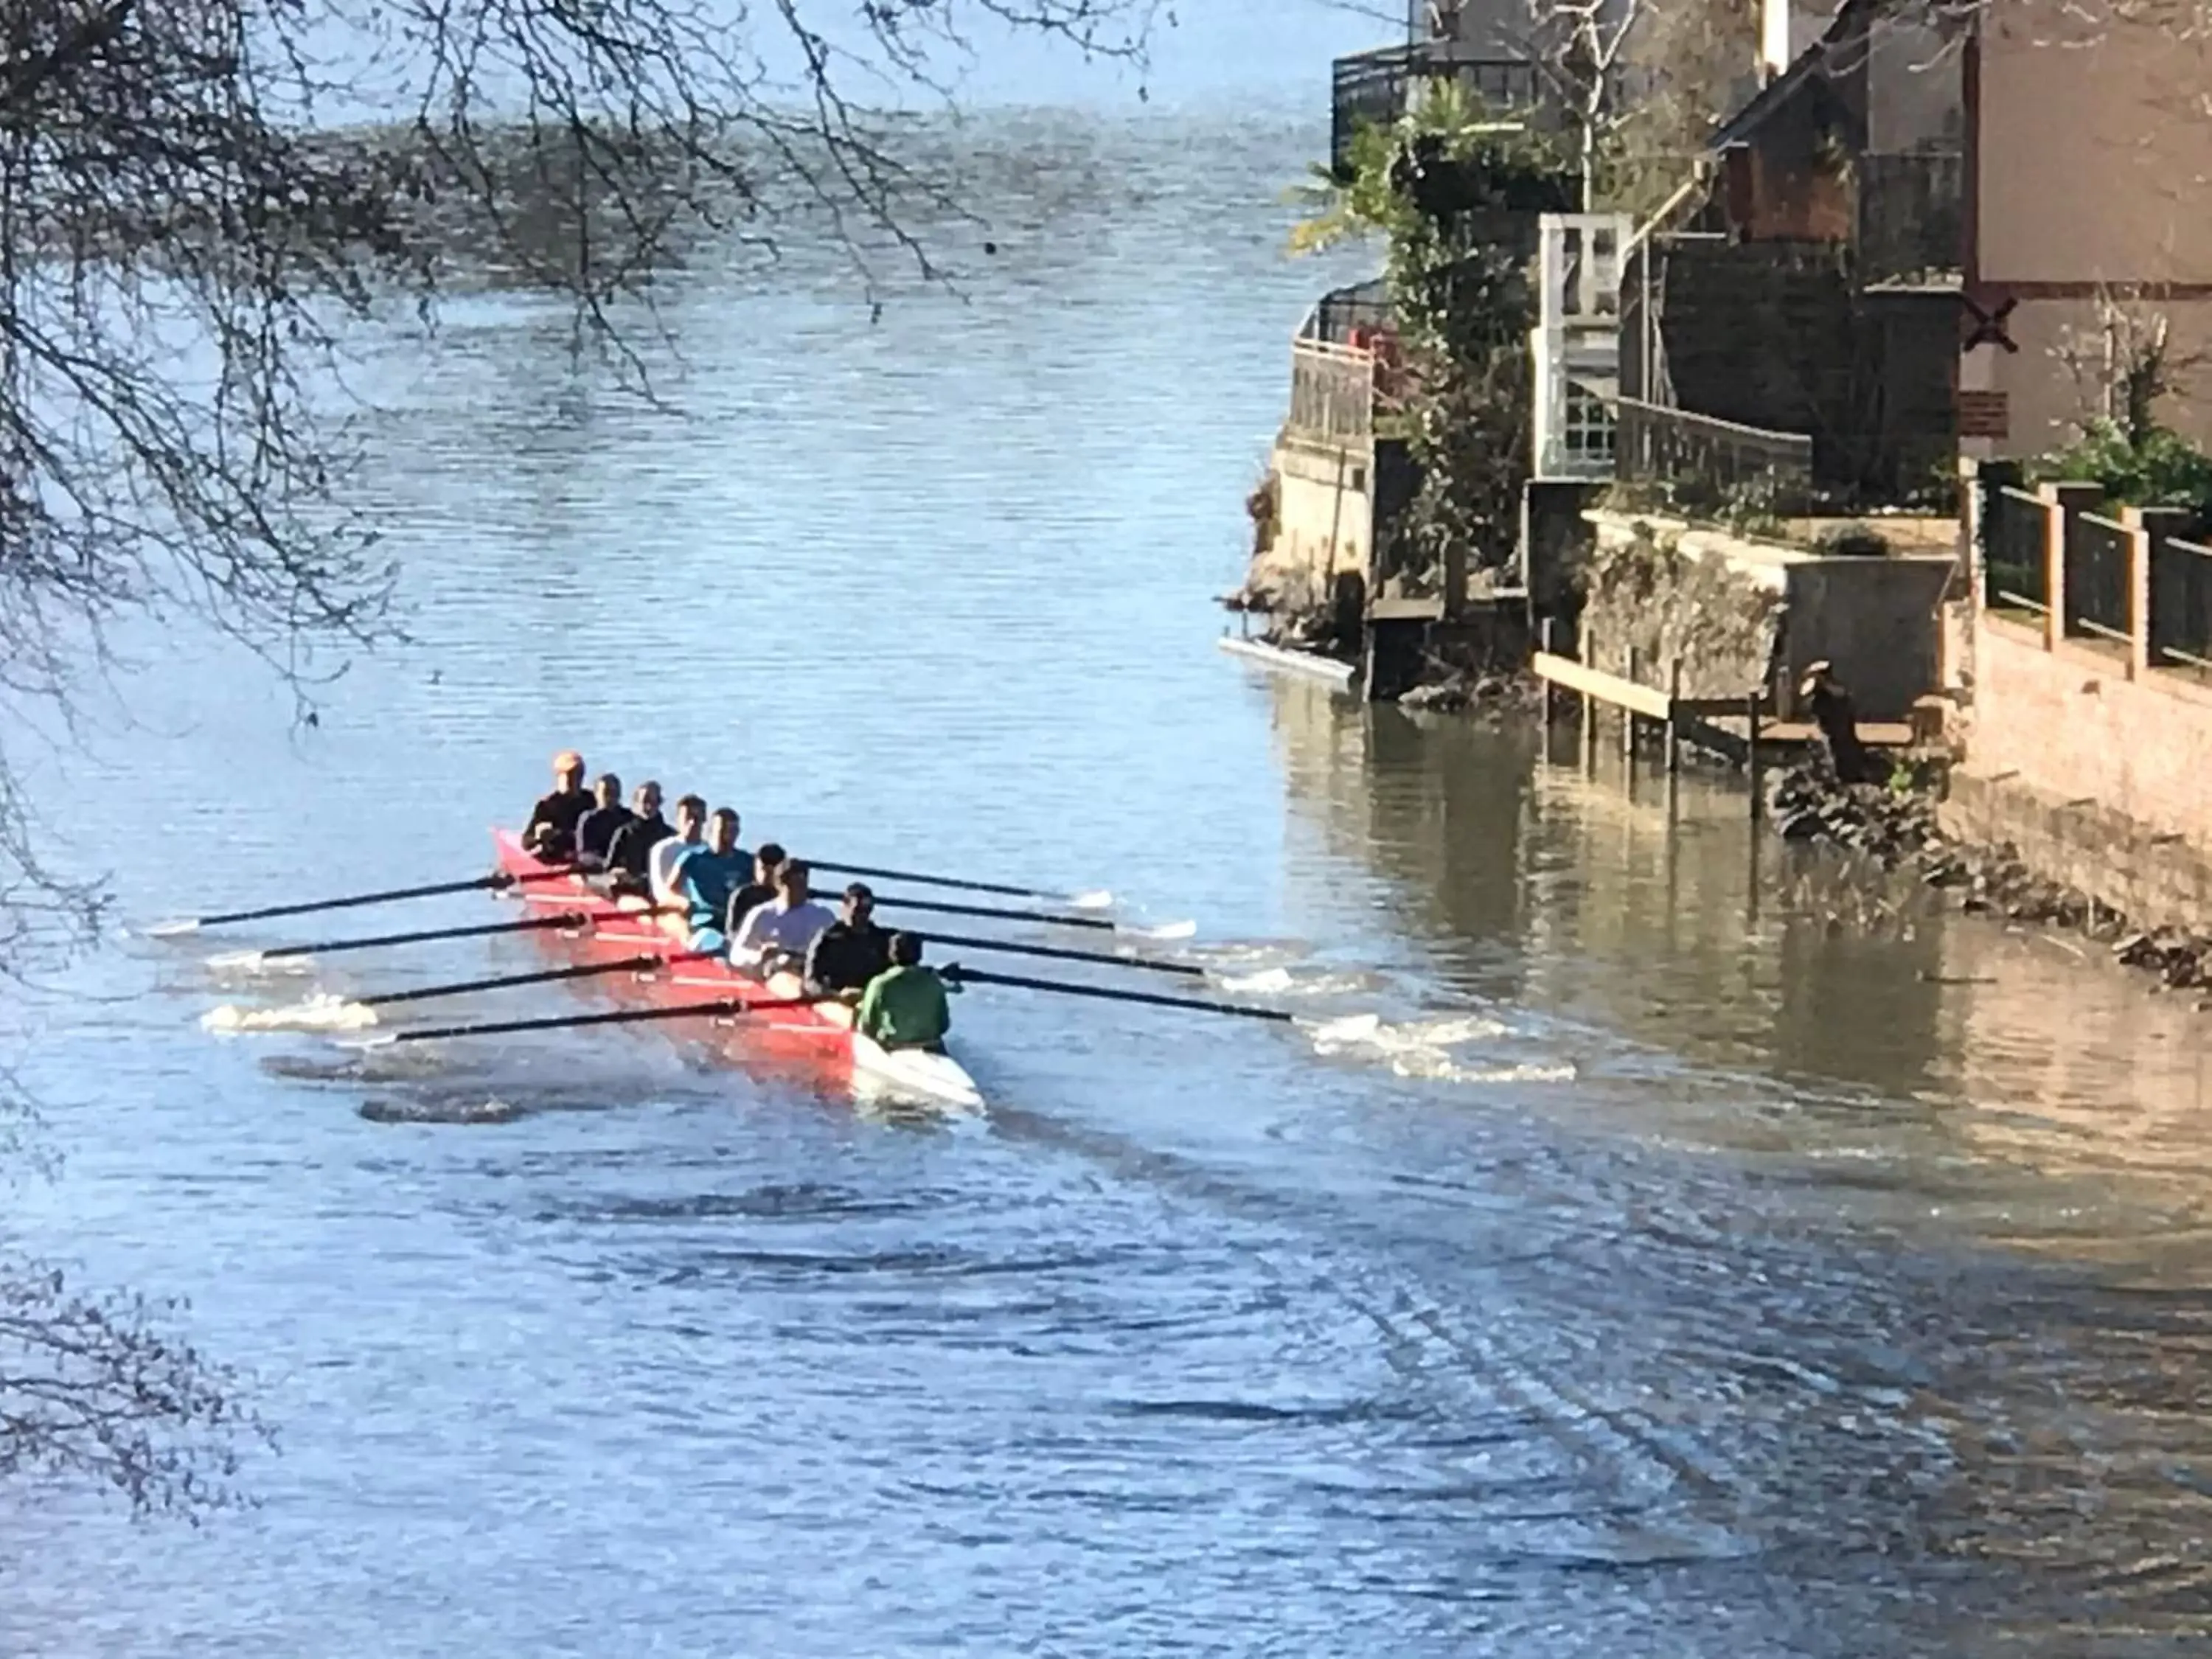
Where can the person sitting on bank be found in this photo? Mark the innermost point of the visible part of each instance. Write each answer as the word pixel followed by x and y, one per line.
pixel 550 834
pixel 757 891
pixel 662 862
pixel 597 829
pixel 851 951
pixel 778 934
pixel 629 853
pixel 904 1007
pixel 1837 717
pixel 707 878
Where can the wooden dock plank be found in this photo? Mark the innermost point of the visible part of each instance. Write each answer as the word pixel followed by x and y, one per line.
pixel 1571 676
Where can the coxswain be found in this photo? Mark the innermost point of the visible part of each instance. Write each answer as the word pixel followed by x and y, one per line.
pixel 780 932
pixel 550 834
pixel 597 829
pixel 758 890
pixel 660 863
pixel 629 852
pixel 904 1007
pixel 851 950
pixel 707 878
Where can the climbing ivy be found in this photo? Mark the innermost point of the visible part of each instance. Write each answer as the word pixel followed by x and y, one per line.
pixel 1454 193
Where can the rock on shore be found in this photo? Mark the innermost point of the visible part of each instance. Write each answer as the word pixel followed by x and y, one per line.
pixel 1898 831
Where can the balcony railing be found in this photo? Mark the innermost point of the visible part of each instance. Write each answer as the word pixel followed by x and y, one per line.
pixel 1332 391
pixel 1654 443
pixel 1374 89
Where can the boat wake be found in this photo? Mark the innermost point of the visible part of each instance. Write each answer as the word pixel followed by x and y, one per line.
pixel 1315 982
pixel 320 1012
pixel 1428 1048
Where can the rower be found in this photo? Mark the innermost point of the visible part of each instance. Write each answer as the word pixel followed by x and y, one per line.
pixel 851 950
pixel 550 834
pixel 597 829
pixel 758 890
pixel 707 878
pixel 904 1007
pixel 628 854
pixel 660 863
pixel 775 934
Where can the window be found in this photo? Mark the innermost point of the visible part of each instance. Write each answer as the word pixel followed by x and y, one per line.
pixel 1588 437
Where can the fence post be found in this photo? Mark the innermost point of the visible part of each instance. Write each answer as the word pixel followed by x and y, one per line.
pixel 2061 501
pixel 1752 705
pixel 1674 717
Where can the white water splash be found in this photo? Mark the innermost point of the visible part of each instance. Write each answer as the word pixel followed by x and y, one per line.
pixel 324 1012
pixel 1425 1048
pixel 1286 982
pixel 1097 899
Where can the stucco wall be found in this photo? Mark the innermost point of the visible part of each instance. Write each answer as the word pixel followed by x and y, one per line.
pixel 2048 399
pixel 1324 520
pixel 2094 148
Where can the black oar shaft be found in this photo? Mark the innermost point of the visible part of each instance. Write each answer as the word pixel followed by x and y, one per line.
pixel 388 896
pixel 961 882
pixel 323 947
pixel 944 907
pixel 1109 993
pixel 619 1016
pixel 537 976
pixel 1060 953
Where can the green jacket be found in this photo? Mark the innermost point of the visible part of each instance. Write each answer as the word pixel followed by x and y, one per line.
pixel 904 1008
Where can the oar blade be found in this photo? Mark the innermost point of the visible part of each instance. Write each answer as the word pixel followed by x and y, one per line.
pixel 1096 899
pixel 1165 930
pixel 176 929
pixel 238 962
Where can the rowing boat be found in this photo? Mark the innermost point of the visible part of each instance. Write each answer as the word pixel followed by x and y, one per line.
pixel 821 1034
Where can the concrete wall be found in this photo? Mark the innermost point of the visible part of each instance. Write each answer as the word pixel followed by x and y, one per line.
pixel 1324 524
pixel 1735 611
pixel 2115 859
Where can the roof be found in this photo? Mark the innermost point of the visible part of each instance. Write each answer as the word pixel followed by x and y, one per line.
pixel 1810 64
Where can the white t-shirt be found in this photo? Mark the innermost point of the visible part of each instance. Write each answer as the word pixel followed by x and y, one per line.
pixel 660 866
pixel 778 927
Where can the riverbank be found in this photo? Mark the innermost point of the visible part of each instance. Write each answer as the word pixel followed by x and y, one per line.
pixel 1898 833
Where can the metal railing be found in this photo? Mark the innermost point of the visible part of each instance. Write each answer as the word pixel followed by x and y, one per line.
pixel 2098 551
pixel 2181 603
pixel 1374 89
pixel 1676 445
pixel 1332 391
pixel 2014 575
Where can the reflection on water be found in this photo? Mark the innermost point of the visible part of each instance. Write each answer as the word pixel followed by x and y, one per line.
pixel 1632 1253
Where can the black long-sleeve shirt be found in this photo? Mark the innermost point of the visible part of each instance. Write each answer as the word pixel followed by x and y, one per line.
pixel 846 955
pixel 596 831
pixel 551 832
pixel 633 844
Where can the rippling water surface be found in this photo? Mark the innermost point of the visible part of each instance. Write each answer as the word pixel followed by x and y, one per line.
pixel 1654 1253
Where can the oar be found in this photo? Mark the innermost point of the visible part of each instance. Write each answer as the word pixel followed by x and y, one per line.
pixel 1098 900
pixel 620 1017
pixel 1061 954
pixel 498 879
pixel 536 976
pixel 954 974
pixel 323 947
pixel 1051 919
pixel 578 919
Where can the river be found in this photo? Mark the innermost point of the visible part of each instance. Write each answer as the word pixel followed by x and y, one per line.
pixel 1688 1257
